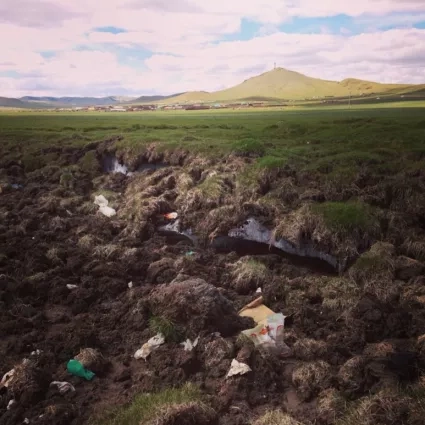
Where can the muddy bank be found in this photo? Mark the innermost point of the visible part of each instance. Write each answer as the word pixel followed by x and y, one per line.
pixel 65 271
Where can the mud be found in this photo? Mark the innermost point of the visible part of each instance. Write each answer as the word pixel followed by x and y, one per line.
pixel 51 237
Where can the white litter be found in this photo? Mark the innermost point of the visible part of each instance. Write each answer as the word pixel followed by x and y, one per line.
pixel 258 291
pixel 26 421
pixel 63 387
pixel 7 377
pixel 238 368
pixel 102 202
pixel 36 352
pixel 149 346
pixel 269 333
pixel 11 404
pixel 130 285
pixel 188 345
pixel 71 287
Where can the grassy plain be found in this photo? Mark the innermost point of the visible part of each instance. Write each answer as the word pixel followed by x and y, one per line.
pixel 325 139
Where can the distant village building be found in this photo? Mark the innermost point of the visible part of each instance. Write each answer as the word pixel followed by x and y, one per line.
pixel 118 110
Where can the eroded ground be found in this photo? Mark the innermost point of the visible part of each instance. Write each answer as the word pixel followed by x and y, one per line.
pixel 356 337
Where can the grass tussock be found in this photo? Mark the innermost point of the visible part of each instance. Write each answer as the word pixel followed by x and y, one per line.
pixel 336 227
pixel 146 407
pixel 219 221
pixel 208 194
pixel 106 252
pixel 309 349
pixel 347 217
pixel 192 413
pixel 340 294
pixel 164 326
pixel 248 273
pixel 415 249
pixel 375 264
pixel 310 378
pixel 331 405
pixel 387 407
pixel 276 417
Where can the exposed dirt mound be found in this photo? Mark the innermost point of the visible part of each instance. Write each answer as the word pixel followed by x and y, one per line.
pixel 198 306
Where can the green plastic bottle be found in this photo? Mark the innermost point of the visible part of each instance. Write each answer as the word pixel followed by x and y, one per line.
pixel 75 368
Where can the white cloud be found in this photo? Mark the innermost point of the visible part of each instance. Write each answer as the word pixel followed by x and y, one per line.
pixel 185 37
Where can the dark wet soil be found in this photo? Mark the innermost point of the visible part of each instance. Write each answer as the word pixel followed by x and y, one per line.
pixel 51 237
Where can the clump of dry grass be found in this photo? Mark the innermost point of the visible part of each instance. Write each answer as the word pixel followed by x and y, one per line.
pixel 28 382
pixel 53 255
pixel 219 221
pixel 340 294
pixel 192 413
pixel 106 251
pixel 87 241
pixel 375 264
pixel 351 376
pixel 309 349
pixel 276 417
pixel 389 406
pixel 414 248
pixel 310 378
pixel 335 227
pixel 248 274
pixel 92 359
pixel 331 405
pixel 208 194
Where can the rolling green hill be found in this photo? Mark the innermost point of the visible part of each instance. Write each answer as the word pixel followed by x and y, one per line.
pixel 282 84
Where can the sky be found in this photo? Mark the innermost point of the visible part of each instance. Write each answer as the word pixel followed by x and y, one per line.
pixel 145 47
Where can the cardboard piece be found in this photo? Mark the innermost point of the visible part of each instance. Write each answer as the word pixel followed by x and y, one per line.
pixel 257 310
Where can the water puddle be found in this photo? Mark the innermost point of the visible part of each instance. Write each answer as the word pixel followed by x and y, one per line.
pixel 111 164
pixel 254 231
pixel 254 239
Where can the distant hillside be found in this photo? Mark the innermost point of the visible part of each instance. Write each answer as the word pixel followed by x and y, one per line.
pixel 10 102
pixel 282 84
pixel 191 97
pixel 77 101
pixel 147 99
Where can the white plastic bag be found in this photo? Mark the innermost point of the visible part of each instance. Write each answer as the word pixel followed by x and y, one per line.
pixel 149 346
pixel 102 202
pixel 63 387
pixel 188 345
pixel 238 368
pixel 269 334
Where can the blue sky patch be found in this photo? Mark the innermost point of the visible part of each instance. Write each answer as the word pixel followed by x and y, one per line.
pixel 110 29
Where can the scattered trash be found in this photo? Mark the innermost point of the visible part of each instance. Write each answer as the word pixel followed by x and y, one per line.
pixel 149 346
pixel 102 202
pixel 75 368
pixel 130 285
pixel 63 387
pixel 188 345
pixel 68 212
pixel 269 330
pixel 71 287
pixel 171 216
pixel 257 310
pixel 11 404
pixel 36 352
pixel 259 291
pixel 16 186
pixel 7 377
pixel 237 368
pixel 26 421
pixel 190 253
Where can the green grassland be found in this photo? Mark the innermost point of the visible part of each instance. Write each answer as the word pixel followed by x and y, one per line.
pixel 329 140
